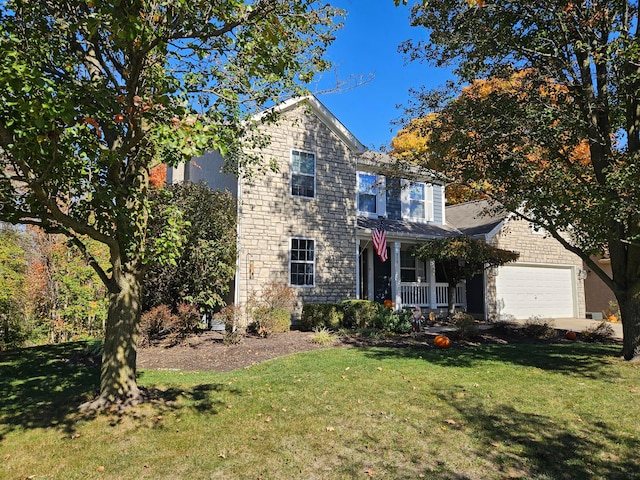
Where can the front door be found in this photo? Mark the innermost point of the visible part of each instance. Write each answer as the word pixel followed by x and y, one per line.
pixel 381 278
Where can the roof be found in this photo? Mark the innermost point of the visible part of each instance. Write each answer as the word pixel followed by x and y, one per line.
pixel 379 161
pixel 477 218
pixel 402 228
pixel 325 116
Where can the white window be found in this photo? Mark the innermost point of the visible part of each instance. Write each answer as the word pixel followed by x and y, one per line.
pixel 371 195
pixel 303 174
pixel 302 262
pixel 412 269
pixel 417 201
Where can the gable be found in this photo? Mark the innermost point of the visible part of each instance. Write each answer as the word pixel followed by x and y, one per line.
pixel 324 115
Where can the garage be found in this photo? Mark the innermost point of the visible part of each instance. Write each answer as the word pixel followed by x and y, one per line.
pixel 535 291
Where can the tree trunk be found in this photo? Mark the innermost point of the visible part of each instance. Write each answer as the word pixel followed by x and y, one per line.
pixel 629 304
pixel 118 376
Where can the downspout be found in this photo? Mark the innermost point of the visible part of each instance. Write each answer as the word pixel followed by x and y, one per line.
pixel 236 283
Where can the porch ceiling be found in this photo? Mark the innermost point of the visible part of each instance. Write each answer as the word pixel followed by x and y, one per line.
pixel 402 228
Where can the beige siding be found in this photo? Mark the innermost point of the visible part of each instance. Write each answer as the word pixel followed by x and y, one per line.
pixel 536 249
pixel 269 216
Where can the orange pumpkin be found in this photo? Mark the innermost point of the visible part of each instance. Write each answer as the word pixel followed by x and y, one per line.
pixel 442 341
pixel 388 303
pixel 571 335
pixel 613 318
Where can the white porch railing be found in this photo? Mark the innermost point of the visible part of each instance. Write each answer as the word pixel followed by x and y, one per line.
pixel 414 293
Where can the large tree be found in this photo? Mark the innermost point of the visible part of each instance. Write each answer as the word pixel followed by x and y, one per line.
pixel 95 92
pixel 561 148
pixel 462 258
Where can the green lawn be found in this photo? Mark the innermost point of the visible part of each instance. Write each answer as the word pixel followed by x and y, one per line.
pixel 560 411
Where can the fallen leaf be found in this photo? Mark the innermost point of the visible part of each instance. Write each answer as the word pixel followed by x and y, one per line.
pixel 369 472
pixel 330 429
pixel 347 368
pixel 379 369
pixel 75 435
pixel 443 428
pixel 450 421
pixel 101 468
pixel 268 419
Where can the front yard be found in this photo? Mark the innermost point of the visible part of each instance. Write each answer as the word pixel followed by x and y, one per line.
pixel 490 411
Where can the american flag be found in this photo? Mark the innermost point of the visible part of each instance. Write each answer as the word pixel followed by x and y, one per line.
pixel 379 240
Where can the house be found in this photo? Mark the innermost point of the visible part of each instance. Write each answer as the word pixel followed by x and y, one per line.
pixel 309 223
pixel 600 299
pixel 546 281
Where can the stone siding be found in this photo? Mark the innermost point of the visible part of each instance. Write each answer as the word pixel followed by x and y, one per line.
pixel 269 216
pixel 535 248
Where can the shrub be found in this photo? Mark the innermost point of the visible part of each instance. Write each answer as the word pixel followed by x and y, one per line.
pixel 539 328
pixel 317 315
pixel 185 322
pixel 323 336
pixel 280 296
pixel 601 332
pixel 268 321
pixel 359 313
pixel 393 321
pixel 160 323
pixel 155 324
pixel 467 326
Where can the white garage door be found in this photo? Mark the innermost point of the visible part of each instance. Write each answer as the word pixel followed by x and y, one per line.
pixel 527 291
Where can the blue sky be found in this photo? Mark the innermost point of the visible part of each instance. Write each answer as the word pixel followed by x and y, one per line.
pixel 368 44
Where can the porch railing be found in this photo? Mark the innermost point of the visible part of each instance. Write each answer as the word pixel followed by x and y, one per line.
pixel 414 293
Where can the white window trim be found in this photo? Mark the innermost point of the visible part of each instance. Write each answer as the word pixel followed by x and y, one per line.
pixel 315 255
pixel 381 195
pixel 315 173
pixel 405 201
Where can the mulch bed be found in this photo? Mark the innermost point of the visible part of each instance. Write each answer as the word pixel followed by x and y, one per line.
pixel 208 352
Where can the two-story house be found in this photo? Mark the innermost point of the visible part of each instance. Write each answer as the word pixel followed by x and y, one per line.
pixel 309 223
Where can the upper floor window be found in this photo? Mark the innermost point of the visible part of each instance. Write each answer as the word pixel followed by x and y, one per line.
pixel 371 194
pixel 303 174
pixel 417 201
pixel 302 262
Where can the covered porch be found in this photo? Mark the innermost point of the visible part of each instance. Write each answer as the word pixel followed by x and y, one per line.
pixel 403 279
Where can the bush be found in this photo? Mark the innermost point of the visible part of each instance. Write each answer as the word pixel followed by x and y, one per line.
pixel 186 322
pixel 359 313
pixel 272 314
pixel 268 321
pixel 467 326
pixel 279 296
pixel 603 332
pixel 160 323
pixel 155 324
pixel 321 315
pixel 323 336
pixel 393 321
pixel 539 328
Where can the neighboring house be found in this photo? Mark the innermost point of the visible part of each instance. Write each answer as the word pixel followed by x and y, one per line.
pixel 309 224
pixel 598 296
pixel 546 281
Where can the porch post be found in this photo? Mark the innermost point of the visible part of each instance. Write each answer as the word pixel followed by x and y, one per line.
pixel 431 278
pixel 395 275
pixel 357 268
pixel 370 272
